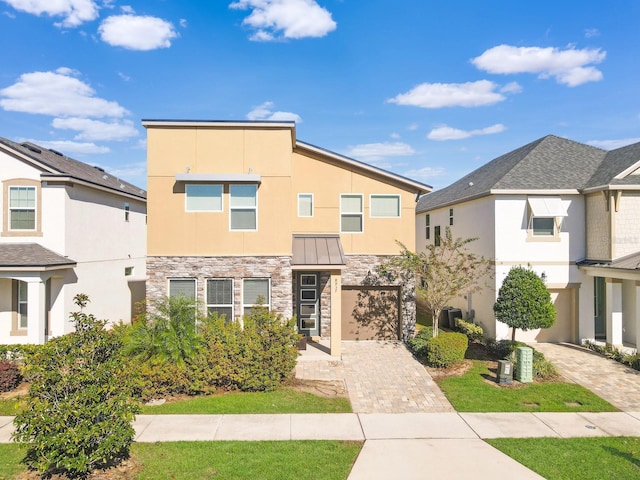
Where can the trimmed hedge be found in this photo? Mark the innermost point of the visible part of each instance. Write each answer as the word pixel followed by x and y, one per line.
pixel 447 349
pixel 473 332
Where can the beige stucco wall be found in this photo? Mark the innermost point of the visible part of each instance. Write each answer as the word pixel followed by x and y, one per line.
pixel 267 152
pixel 598 227
pixel 626 238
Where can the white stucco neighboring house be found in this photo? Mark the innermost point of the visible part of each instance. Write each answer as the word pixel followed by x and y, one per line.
pixel 67 228
pixel 568 210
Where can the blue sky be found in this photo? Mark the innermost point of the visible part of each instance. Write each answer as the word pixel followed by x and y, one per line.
pixel 429 89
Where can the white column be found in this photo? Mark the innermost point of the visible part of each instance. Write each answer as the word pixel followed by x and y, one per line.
pixel 36 310
pixel 636 312
pixel 614 312
pixel 336 314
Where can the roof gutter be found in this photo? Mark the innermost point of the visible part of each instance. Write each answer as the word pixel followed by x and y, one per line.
pixel 68 178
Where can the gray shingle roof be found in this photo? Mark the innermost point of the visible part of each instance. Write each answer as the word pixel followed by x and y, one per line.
pixel 549 163
pixel 20 255
pixel 615 162
pixel 59 164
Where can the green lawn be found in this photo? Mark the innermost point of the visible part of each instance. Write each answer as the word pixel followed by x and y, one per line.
pixel 10 407
pixel 571 458
pixel 472 393
pixel 279 401
pixel 302 460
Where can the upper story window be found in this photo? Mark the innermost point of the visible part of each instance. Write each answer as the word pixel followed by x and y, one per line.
pixel 351 213
pixel 243 207
pixel 386 206
pixel 305 204
pixel 543 226
pixel 203 197
pixel 127 210
pixel 22 208
pixel 451 216
pixel 427 224
pixel 545 217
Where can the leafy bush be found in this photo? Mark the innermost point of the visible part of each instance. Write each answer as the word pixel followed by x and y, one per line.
pixel 10 376
pixel 471 330
pixel 447 349
pixel 78 412
pixel 609 351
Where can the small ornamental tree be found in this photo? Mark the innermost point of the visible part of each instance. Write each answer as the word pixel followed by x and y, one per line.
pixel 443 272
pixel 524 301
pixel 79 410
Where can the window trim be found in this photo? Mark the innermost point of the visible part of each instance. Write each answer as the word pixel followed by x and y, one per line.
pixel 6 215
pixel 427 225
pixel 223 305
pixel 387 195
pixel 244 208
pixel 361 213
pixel 267 304
pixel 450 216
pixel 186 197
pixel 312 205
pixel 195 285
pixel 127 211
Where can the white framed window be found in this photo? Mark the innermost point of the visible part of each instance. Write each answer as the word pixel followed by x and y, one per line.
pixel 254 290
pixel 384 206
pixel 182 286
pixel 203 197
pixel 220 297
pixel 436 235
pixel 351 216
pixel 22 208
pixel 543 226
pixel 127 209
pixel 243 207
pixel 305 204
pixel 22 304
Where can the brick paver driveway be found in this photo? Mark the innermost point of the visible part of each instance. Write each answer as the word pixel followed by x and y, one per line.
pixel 381 377
pixel 616 383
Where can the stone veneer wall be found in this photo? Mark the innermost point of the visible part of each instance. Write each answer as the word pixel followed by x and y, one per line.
pixel 160 269
pixel 360 270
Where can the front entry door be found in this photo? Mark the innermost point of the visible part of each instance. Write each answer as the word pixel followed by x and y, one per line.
pixel 308 304
pixel 600 308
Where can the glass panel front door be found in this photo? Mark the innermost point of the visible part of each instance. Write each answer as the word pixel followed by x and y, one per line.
pixel 308 304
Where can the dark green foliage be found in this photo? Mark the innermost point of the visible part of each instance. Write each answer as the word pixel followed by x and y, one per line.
pixel 609 351
pixel 10 376
pixel 18 352
pixel 447 349
pixel 524 302
pixel 78 412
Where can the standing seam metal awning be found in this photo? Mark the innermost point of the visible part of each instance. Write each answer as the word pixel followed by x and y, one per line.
pixel 318 250
pixel 547 207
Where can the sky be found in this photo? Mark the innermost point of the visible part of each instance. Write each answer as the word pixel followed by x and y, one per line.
pixel 428 89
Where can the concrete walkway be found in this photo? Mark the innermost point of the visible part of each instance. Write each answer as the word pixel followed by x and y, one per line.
pixel 406 446
pixel 616 383
pixel 380 377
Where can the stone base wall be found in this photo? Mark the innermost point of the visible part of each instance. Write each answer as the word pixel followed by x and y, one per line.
pixel 278 269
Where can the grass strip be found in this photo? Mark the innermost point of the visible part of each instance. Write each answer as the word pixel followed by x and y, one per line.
pixel 302 460
pixel 278 401
pixel 472 393
pixel 571 458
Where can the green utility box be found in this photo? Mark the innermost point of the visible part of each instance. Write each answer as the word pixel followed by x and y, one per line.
pixel 505 372
pixel 524 364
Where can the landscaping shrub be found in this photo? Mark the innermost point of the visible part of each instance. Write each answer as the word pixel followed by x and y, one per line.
pixel 609 351
pixel 10 376
pixel 447 349
pixel 79 410
pixel 506 349
pixel 473 332
pixel 18 352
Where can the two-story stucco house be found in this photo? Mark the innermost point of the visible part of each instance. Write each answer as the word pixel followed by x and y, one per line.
pixel 569 211
pixel 67 228
pixel 243 210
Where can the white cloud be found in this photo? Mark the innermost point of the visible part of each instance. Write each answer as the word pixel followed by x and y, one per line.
pixel 265 112
pixel 395 136
pixel 57 93
pixel 413 127
pixel 75 12
pixel 273 19
pixel 439 95
pixel 613 144
pixel 124 76
pixel 571 67
pixel 69 147
pixel 446 132
pixel 375 152
pixel 424 173
pixel 512 87
pixel 135 32
pixel 92 130
pixel 591 32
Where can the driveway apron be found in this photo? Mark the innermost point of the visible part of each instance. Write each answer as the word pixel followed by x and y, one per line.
pixel 616 383
pixel 380 377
